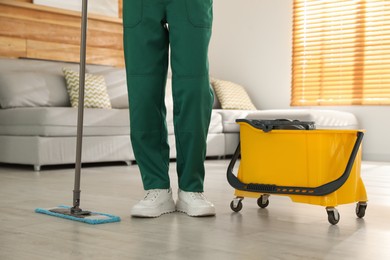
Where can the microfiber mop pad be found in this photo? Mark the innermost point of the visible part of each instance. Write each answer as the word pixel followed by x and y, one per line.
pixel 92 218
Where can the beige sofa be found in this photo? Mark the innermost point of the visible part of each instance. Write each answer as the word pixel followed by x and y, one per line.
pixel 38 125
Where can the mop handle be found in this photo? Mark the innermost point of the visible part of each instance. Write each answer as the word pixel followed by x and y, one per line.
pixel 80 114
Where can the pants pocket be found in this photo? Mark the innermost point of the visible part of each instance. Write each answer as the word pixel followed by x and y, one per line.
pixel 132 12
pixel 200 13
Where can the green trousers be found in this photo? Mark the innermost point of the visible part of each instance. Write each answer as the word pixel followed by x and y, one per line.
pixel 153 31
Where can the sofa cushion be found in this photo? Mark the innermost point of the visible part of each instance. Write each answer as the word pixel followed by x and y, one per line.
pixel 229 118
pixel 324 119
pixel 231 95
pixel 116 83
pixel 168 96
pixel 31 65
pixel 115 77
pixel 117 88
pixel 30 89
pixel 62 121
pixel 95 90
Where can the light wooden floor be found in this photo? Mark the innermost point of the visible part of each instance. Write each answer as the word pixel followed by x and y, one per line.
pixel 284 230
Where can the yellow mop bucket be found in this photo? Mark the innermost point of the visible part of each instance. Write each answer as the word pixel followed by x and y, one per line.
pixel 291 158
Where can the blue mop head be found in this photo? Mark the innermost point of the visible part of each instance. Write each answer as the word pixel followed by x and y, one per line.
pixel 93 218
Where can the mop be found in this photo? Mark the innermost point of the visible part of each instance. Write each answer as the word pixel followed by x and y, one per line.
pixel 75 212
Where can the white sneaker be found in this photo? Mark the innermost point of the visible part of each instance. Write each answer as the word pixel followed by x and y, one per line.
pixel 155 203
pixel 194 204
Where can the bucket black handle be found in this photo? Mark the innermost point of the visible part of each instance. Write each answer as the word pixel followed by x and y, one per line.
pixel 271 188
pixel 269 125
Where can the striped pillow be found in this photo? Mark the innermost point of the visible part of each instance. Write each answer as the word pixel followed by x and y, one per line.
pixel 95 90
pixel 231 95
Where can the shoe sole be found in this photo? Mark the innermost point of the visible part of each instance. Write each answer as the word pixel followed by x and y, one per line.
pixel 198 212
pixel 153 213
pixel 143 215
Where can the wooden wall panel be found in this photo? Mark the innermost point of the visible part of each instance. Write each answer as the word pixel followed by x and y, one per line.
pixel 120 3
pixel 36 30
pixel 71 53
pixel 12 47
pixel 37 13
pixel 59 30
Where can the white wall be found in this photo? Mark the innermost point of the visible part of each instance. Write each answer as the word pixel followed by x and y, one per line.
pixel 251 45
pixel 102 7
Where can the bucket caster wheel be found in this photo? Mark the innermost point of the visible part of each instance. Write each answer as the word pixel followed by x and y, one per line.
pixel 236 204
pixel 263 201
pixel 361 209
pixel 333 215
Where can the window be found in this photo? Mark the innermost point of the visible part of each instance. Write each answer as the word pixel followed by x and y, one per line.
pixel 341 52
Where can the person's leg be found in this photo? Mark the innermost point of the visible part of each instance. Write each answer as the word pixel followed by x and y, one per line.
pixel 190 24
pixel 146 57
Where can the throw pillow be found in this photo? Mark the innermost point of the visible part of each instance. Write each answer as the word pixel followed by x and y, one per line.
pixel 231 95
pixel 116 86
pixel 31 89
pixel 95 90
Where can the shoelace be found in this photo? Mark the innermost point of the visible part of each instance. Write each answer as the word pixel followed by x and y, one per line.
pixel 151 195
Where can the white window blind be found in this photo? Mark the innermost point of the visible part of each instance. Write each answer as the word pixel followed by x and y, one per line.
pixel 341 52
